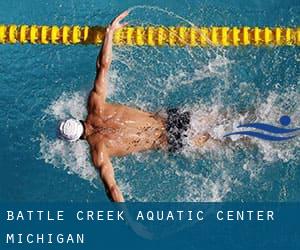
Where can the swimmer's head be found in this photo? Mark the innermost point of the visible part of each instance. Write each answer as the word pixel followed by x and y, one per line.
pixel 70 130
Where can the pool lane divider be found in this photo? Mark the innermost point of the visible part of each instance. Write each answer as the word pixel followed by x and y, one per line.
pixel 152 35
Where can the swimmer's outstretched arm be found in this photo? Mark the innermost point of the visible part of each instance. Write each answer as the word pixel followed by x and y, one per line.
pixel 103 164
pixel 105 56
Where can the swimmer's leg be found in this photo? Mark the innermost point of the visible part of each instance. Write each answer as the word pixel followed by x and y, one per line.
pixel 200 140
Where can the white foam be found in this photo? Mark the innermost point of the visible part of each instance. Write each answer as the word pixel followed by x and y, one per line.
pixel 216 121
pixel 72 157
pixel 68 105
pixel 200 188
pixel 174 182
pixel 271 110
pixel 214 118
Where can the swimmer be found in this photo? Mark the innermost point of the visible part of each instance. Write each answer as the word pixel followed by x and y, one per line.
pixel 114 130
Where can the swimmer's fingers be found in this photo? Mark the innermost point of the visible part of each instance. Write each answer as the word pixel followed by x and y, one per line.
pixel 122 16
pixel 122 25
pixel 115 24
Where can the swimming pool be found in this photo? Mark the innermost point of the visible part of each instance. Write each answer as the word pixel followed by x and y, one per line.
pixel 42 84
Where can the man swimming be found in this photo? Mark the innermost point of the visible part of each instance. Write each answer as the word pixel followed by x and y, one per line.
pixel 117 130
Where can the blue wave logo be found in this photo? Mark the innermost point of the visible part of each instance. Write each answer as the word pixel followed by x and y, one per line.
pixel 279 133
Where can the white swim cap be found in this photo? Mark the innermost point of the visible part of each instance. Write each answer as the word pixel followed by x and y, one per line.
pixel 70 130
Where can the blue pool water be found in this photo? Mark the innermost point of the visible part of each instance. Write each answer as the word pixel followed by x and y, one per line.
pixel 42 84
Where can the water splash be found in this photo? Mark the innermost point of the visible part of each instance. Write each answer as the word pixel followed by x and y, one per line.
pixel 73 158
pixel 192 185
pixel 215 85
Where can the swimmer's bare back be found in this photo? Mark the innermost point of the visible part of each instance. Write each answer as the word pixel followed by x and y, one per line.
pixel 113 129
pixel 123 130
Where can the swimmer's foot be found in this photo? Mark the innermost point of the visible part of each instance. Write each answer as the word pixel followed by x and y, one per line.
pixel 200 140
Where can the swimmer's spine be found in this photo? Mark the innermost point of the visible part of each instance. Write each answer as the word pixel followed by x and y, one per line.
pixel 152 36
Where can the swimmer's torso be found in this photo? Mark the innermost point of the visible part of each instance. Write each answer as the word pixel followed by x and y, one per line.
pixel 124 130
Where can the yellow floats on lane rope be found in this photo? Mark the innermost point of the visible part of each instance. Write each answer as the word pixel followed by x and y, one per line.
pixel 152 36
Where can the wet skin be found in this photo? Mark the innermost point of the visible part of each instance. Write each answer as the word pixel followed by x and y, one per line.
pixel 118 130
pixel 112 129
pixel 123 130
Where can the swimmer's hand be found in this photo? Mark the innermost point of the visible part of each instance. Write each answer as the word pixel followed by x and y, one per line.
pixel 115 24
pixel 105 57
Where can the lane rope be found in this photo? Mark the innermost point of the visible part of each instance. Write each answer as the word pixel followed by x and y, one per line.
pixel 152 35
